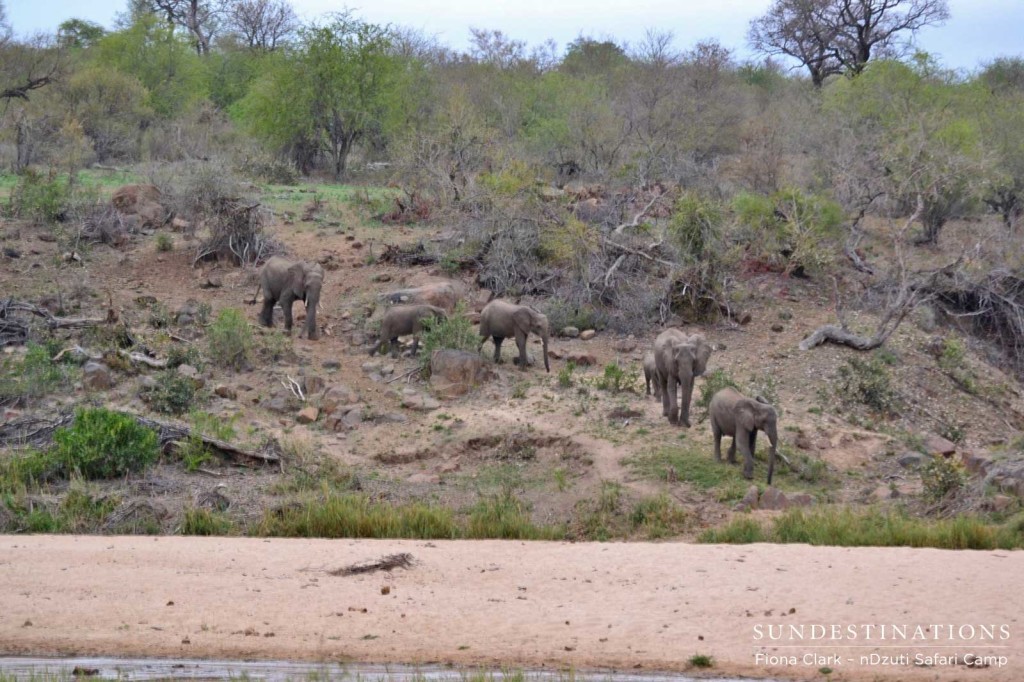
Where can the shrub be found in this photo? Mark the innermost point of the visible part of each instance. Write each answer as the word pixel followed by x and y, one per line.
pixel 104 444
pixel 790 226
pixel 23 471
pixel 184 355
pixel 172 393
pixel 695 225
pixel 565 374
pixel 456 332
pixel 657 517
pixel 615 379
pixel 867 383
pixel 504 516
pixel 702 661
pixel 206 522
pixel 193 451
pixel 164 242
pixel 32 376
pixel 39 198
pixel 230 340
pixel 942 476
pixel 714 382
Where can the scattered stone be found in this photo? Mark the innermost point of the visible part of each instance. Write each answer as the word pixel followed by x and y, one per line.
pixel 96 376
pixel 627 345
pixel 372 366
pixel 581 359
pixel 773 499
pixel 382 277
pixel 11 252
pixel 212 282
pixel 911 460
pixel 331 365
pixel 424 478
pixel 307 415
pixel 999 503
pixel 277 403
pixel 785 315
pixel 420 403
pixel 455 372
pixel 387 370
pixel 357 245
pixel 777 327
pixel 450 467
pixel 749 500
pixel 554 354
pixel 976 463
pixel 47 237
pixel 353 417
pixel 337 396
pixel 358 339
pixel 743 318
pixel 393 418
pixel 226 392
pixel 937 445
pixel 587 334
pixel 188 312
pixel 570 332
pixel 802 440
pixel 180 225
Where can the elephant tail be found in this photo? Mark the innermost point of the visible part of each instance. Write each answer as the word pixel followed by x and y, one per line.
pixel 255 294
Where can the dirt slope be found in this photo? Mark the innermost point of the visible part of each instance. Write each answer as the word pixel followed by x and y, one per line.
pixel 649 606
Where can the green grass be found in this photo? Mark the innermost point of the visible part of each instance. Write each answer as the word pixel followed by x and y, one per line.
pixel 699 468
pixel 702 661
pixel 871 528
pixel 78 512
pixel 206 522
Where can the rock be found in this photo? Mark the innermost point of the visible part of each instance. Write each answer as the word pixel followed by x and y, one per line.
pixel 147 383
pixel 226 392
pixel 749 500
pixel 11 252
pixel 387 370
pixel 450 467
pixel 444 294
pixel 127 198
pixel 548 193
pixel 777 327
pixel 212 282
pixel 420 403
pixel 627 345
pixel 569 332
pixel 331 365
pixel 785 315
pixel 911 460
pixel 47 237
pixel 358 339
pixel 372 366
pixel 773 499
pixel 937 445
pixel 455 372
pixel 393 418
pixel 337 396
pixel 180 225
pixel 311 385
pixel 277 403
pixel 581 359
pixel 307 415
pixel 975 463
pixel 96 376
pixel 802 440
pixel 587 334
pixel 482 298
pixel 187 312
pixel 743 318
pixel 382 277
pixel 357 245
pixel 555 354
pixel 353 417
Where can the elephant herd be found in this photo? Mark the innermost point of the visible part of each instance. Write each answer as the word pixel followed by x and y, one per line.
pixel 671 366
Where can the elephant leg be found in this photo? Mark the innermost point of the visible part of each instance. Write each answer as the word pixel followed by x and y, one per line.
pixel 665 411
pixel 717 433
pixel 393 347
pixel 286 306
pixel 673 406
pixel 647 382
pixel 415 344
pixel 730 456
pixel 497 349
pixel 376 348
pixel 521 343
pixel 743 440
pixel 267 313
pixel 753 442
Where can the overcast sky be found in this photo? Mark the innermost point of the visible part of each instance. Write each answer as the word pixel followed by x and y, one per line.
pixel 978 31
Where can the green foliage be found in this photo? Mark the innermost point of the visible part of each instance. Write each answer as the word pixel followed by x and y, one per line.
pixel 565 374
pixel 230 340
pixel 206 522
pixel 349 515
pixel 39 198
pixel 504 516
pixel 164 242
pixel 790 226
pixel 194 453
pixel 714 382
pixel 696 225
pixel 33 376
pixel 456 333
pixel 616 380
pixel 867 382
pixel 657 517
pixel 184 355
pixel 701 661
pixel 78 512
pixel 173 393
pixel 941 476
pixel 697 467
pixel 26 471
pixel 104 444
pixel 847 527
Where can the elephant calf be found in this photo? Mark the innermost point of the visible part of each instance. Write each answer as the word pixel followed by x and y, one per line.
pixel 651 374
pixel 284 281
pixel 501 319
pixel 733 414
pixel 403 320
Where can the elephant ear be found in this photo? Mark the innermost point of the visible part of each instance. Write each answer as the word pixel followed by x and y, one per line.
pixel 523 319
pixel 745 415
pixel 297 279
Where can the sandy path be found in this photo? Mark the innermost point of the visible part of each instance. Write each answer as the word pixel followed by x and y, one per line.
pixel 649 606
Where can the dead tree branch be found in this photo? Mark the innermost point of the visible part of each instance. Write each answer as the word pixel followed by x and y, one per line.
pixel 635 222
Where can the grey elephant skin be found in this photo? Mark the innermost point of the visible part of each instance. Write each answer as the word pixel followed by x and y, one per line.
pixel 679 359
pixel 500 320
pixel 651 374
pixel 733 414
pixel 403 320
pixel 284 281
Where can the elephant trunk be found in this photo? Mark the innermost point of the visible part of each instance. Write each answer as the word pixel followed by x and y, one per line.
pixel 773 438
pixel 544 339
pixel 312 301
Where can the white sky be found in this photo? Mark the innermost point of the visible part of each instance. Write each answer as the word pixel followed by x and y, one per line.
pixel 978 31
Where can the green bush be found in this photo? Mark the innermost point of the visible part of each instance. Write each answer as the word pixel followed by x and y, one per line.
pixel 23 471
pixel 695 225
pixel 456 333
pixel 39 198
pixel 33 375
pixel 565 374
pixel 505 517
pixel 173 393
pixel 942 476
pixel 615 379
pixel 230 340
pixel 714 382
pixel 164 242
pixel 104 444
pixel 206 522
pixel 790 226
pixel 867 383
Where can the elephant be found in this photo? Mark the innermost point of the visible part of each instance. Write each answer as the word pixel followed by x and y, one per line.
pixel 283 281
pixel 501 319
pixel 651 374
pixel 402 320
pixel 733 414
pixel 679 358
pixel 444 295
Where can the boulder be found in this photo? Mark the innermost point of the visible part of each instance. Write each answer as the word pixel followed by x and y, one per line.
pixel 336 396
pixel 443 294
pixel 569 332
pixel 419 403
pixel 774 499
pixel 190 372
pixel 911 460
pixel 937 445
pixel 749 500
pixel 96 376
pixel 307 415
pixel 455 372
pixel 353 417
pixel 587 334
pixel 140 202
pixel 212 281
pixel 226 392
pixel 627 345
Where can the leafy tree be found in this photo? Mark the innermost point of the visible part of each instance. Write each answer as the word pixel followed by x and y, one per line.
pixel 338 87
pixel 589 57
pixel 111 108
pixel 79 33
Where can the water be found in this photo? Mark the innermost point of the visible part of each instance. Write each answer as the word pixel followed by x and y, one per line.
pixel 27 668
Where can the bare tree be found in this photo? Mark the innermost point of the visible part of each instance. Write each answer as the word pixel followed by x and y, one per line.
pixel 27 66
pixel 199 17
pixel 840 36
pixel 262 24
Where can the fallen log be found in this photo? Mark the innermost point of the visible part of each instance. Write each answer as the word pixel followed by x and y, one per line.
pixel 170 434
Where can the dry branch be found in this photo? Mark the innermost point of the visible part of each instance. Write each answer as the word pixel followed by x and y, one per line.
pixel 387 563
pixel 635 222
